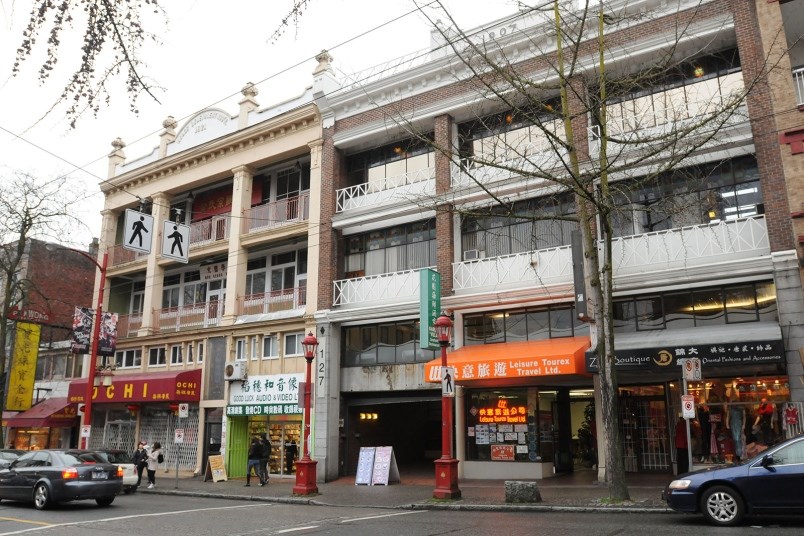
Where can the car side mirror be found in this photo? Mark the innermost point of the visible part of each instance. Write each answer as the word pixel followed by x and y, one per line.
pixel 767 461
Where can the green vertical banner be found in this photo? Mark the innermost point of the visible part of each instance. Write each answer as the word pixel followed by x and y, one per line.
pixel 429 307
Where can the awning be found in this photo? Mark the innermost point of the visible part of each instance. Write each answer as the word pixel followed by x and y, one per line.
pixel 514 360
pixel 177 386
pixel 57 412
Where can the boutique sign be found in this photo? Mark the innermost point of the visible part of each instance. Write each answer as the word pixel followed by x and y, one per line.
pixel 726 354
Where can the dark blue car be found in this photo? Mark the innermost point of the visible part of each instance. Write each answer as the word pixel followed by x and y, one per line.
pixel 770 483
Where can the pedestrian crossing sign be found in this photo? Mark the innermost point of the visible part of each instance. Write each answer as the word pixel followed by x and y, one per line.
pixel 139 231
pixel 176 241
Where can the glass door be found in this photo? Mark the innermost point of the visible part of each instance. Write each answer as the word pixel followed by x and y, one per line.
pixel 285 447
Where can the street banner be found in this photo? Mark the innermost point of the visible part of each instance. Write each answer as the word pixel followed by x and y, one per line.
pixel 429 308
pixel 107 343
pixel 23 367
pixel 82 330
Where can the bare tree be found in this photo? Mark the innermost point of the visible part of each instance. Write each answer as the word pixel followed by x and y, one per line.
pixel 111 42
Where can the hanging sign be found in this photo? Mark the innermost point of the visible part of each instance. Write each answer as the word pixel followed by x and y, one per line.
pixel 429 307
pixel 138 232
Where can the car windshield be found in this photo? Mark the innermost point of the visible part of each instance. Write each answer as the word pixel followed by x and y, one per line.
pixel 116 456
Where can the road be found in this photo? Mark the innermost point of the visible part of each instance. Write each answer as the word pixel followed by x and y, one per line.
pixel 149 515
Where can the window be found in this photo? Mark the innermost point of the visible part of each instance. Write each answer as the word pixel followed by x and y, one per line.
pixel 393 342
pixel 270 349
pixel 240 349
pixel 522 325
pixel 253 349
pixel 128 358
pixel 791 454
pixel 392 160
pixel 175 355
pixel 293 344
pixel 156 356
pixel 190 352
pixel 200 352
pixel 51 367
pixel 394 249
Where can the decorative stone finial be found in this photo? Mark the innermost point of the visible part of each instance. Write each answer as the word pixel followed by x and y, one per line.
pixel 170 123
pixel 118 144
pixel 250 90
pixel 324 60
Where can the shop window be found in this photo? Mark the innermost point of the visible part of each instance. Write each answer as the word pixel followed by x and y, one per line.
pixel 741 304
pixel 500 423
pixel 678 310
pixel 538 325
pixel 708 307
pixel 649 313
pixel 516 326
pixel 766 302
pixel 394 342
pixel 561 323
pixel 530 324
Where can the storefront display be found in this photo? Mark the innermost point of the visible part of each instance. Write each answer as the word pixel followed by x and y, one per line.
pixel 502 426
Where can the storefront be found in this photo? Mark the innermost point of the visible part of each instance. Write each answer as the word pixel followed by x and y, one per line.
pixel 145 407
pixel 514 418
pixel 49 424
pixel 265 405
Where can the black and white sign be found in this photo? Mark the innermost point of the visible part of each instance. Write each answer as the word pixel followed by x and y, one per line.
pixel 138 232
pixel 176 241
pixel 448 381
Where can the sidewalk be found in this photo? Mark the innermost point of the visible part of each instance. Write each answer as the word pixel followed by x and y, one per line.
pixel 576 492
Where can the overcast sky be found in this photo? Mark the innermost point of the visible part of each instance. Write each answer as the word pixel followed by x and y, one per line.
pixel 209 50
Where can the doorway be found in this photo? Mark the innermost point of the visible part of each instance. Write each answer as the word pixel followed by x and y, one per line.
pixel 644 429
pixel 286 447
pixel 216 296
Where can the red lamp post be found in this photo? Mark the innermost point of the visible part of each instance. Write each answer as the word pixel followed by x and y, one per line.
pixel 446 477
pixel 306 467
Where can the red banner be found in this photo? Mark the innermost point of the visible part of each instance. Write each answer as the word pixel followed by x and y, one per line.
pixel 182 386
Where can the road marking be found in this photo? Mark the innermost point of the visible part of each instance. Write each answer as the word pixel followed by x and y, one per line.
pixel 297 528
pixel 380 517
pixel 121 518
pixel 18 520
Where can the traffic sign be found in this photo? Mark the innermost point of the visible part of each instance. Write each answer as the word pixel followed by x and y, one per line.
pixel 138 232
pixel 688 406
pixel 691 368
pixel 86 431
pixel 184 410
pixel 178 436
pixel 176 241
pixel 448 381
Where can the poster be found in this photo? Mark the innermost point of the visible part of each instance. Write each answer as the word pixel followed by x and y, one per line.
pixel 107 343
pixel 482 434
pixel 82 330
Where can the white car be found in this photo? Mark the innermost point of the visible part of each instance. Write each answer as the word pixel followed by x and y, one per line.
pixel 122 459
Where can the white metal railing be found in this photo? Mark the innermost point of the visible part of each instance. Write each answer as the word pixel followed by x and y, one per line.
pixel 540 268
pixel 210 230
pixel 197 315
pixel 384 70
pixel 273 301
pixel 798 81
pixel 530 159
pixel 689 246
pixel 402 187
pixel 395 286
pixel 277 213
pixel 128 325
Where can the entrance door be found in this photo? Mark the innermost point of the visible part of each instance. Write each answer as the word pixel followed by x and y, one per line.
pixel 646 444
pixel 216 296
pixel 282 282
pixel 286 447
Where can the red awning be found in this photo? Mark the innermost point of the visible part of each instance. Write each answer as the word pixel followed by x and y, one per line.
pixel 57 412
pixel 176 386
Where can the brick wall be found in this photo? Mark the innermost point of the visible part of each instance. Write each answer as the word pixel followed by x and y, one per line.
pixel 333 177
pixel 445 245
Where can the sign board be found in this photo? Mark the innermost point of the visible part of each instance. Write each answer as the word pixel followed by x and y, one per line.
pixel 448 381
pixel 502 452
pixel 691 368
pixel 215 469
pixel 429 307
pixel 178 436
pixel 688 406
pixel 184 410
pixel 139 231
pixel 176 241
pixel 86 429
pixel 385 468
pixel 365 466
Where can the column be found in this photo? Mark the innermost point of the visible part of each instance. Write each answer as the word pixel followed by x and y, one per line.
pixel 238 256
pixel 154 274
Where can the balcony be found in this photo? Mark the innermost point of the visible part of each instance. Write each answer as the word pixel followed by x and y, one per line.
pixel 685 247
pixel 529 160
pixel 277 213
pixel 210 230
pixel 540 268
pixel 128 325
pixel 272 302
pixel 400 189
pixel 383 288
pixel 118 255
pixel 200 315
pixel 798 82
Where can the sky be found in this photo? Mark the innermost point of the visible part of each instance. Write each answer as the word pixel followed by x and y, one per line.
pixel 208 51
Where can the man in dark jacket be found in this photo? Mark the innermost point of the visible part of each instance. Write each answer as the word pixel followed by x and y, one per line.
pixel 265 455
pixel 254 461
pixel 140 459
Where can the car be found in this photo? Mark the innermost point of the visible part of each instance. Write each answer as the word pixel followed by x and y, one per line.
pixel 9 455
pixel 768 483
pixel 123 459
pixel 52 476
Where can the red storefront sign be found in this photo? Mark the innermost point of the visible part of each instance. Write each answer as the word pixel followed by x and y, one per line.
pixel 183 386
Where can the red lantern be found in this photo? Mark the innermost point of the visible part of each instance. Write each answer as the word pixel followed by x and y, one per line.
pixel 174 407
pixel 133 408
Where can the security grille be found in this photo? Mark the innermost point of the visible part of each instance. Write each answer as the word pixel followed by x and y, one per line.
pixel 160 425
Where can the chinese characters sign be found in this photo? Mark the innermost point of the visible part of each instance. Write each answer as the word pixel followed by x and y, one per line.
pixel 23 368
pixel 275 394
pixel 429 307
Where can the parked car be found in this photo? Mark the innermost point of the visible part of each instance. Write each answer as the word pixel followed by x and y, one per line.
pixel 9 455
pixel 769 483
pixel 123 459
pixel 47 477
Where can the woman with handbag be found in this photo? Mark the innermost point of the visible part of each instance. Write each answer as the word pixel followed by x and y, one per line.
pixel 155 457
pixel 140 459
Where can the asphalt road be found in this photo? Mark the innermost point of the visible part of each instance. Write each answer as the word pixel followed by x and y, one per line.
pixel 161 515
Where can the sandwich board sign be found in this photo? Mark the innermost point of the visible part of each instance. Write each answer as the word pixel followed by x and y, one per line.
pixel 138 232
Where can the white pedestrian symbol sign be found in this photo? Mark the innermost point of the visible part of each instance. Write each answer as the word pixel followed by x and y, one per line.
pixel 138 235
pixel 175 241
pixel 447 381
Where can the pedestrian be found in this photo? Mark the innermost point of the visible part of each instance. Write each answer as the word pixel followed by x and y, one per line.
pixel 155 457
pixel 140 459
pixel 290 454
pixel 682 447
pixel 265 457
pixel 254 453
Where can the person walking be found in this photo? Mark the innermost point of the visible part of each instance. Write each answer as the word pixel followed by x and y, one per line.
pixel 140 459
pixel 290 454
pixel 254 453
pixel 155 457
pixel 682 447
pixel 265 456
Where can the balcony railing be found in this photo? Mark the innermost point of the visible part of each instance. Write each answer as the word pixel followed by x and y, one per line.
pixel 210 230
pixel 798 81
pixel 128 325
pixel 119 255
pixel 401 188
pixel 277 213
pixel 395 286
pixel 528 160
pixel 690 246
pixel 272 302
pixel 199 315
pixel 534 268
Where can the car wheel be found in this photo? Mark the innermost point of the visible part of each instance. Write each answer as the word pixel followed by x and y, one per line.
pixel 722 506
pixel 41 497
pixel 105 501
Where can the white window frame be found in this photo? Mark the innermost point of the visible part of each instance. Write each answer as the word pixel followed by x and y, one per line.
pixel 253 348
pixel 273 350
pixel 131 358
pixel 241 347
pixel 200 358
pixel 161 356
pixel 176 355
pixel 190 352
pixel 299 337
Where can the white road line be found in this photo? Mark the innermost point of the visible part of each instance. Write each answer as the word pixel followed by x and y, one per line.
pixel 136 516
pixel 296 529
pixel 380 517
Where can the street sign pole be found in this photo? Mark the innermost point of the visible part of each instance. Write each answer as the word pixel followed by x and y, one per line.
pixel 689 438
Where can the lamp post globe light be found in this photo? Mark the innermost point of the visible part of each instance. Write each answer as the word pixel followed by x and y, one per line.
pixel 306 467
pixel 446 467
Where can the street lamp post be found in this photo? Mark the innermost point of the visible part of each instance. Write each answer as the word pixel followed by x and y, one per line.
pixel 306 467
pixel 93 352
pixel 446 477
